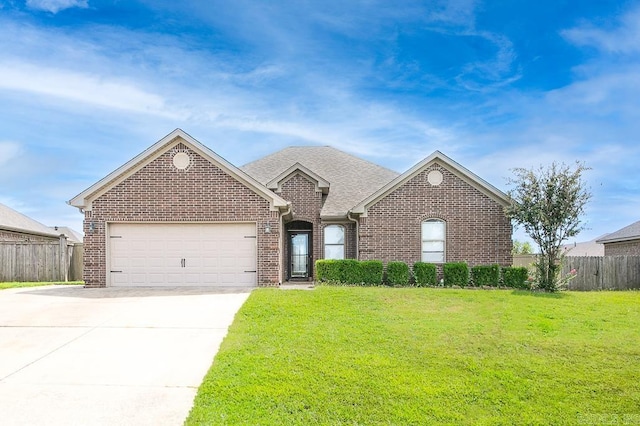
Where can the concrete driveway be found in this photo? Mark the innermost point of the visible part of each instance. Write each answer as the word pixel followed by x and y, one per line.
pixel 75 356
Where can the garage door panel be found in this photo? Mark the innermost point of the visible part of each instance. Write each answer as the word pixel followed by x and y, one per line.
pixel 183 254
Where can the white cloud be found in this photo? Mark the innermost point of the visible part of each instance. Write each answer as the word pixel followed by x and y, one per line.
pixel 625 38
pixel 601 93
pixel 8 151
pixel 106 92
pixel 55 6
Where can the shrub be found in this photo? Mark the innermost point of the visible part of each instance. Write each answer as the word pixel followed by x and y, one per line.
pixel 371 272
pixel 425 274
pixel 397 273
pixel 485 275
pixel 515 277
pixel 327 270
pixel 456 273
pixel 350 271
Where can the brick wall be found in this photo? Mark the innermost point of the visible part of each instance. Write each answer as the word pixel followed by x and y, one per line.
pixel 478 232
pixel 159 192
pixel 19 236
pixel 628 248
pixel 306 204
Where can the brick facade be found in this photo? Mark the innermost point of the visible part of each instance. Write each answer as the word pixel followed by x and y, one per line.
pixel 477 230
pixel 161 193
pixel 306 204
pixel 627 248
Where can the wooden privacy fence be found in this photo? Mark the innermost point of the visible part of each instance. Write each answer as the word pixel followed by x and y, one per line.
pixel 40 261
pixel 603 273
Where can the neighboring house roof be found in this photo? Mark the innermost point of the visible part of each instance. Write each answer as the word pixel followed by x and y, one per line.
pixel 350 178
pixel 72 236
pixel 628 233
pixel 449 164
pixel 12 220
pixel 85 198
pixel 586 248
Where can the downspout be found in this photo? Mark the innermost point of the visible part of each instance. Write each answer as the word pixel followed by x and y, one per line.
pixel 357 222
pixel 282 237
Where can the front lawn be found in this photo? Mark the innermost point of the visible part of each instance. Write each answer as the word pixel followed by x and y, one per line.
pixel 5 285
pixel 402 356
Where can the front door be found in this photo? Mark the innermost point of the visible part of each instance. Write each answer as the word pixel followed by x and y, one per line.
pixel 300 254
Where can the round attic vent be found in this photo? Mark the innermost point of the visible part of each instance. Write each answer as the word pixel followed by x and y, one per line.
pixel 435 177
pixel 181 160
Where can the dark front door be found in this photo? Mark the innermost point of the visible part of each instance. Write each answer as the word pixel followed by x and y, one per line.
pixel 300 253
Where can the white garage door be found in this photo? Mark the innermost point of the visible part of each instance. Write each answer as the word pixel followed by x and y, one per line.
pixel 182 254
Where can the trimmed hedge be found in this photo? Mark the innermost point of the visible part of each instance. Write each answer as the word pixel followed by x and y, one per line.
pixel 456 273
pixel 371 272
pixel 425 274
pixel 397 273
pixel 349 271
pixel 328 270
pixel 485 275
pixel 515 277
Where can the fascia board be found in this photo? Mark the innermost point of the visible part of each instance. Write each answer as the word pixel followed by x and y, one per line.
pixel 618 240
pixel 321 184
pixel 84 199
pixel 30 232
pixel 437 156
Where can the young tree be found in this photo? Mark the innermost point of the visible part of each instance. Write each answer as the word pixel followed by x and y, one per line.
pixel 520 247
pixel 548 203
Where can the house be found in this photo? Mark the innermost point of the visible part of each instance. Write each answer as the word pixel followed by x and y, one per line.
pixel 72 235
pixel 179 214
pixel 623 242
pixel 31 251
pixel 16 227
pixel 586 248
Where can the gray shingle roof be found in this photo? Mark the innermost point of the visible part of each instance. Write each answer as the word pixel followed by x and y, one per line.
pixel 15 221
pixel 587 248
pixel 631 232
pixel 72 236
pixel 351 179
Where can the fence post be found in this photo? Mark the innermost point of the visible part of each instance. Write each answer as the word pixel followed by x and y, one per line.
pixel 64 270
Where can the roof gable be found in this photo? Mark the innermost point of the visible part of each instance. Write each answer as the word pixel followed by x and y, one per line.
pixel 12 220
pixel 85 198
pixel 351 178
pixel 321 184
pixel 628 233
pixel 436 157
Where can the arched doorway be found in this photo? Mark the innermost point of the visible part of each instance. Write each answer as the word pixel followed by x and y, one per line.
pixel 299 253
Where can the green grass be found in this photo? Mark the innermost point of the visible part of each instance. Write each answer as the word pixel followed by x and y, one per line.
pixel 380 356
pixel 6 285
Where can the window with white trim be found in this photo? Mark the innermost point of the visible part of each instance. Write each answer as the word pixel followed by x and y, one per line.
pixel 433 239
pixel 334 242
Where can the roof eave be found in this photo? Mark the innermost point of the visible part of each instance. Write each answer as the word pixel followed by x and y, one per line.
pixel 619 240
pixel 84 199
pixel 330 217
pixel 453 166
pixel 322 184
pixel 29 232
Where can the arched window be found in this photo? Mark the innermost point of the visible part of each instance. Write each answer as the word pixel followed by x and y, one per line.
pixel 334 242
pixel 433 240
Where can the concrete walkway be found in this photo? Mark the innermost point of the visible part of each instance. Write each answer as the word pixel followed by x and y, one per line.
pixel 75 356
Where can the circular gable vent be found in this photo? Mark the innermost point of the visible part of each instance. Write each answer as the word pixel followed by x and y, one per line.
pixel 181 160
pixel 435 177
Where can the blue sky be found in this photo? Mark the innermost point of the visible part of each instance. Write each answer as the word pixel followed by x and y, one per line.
pixel 86 85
